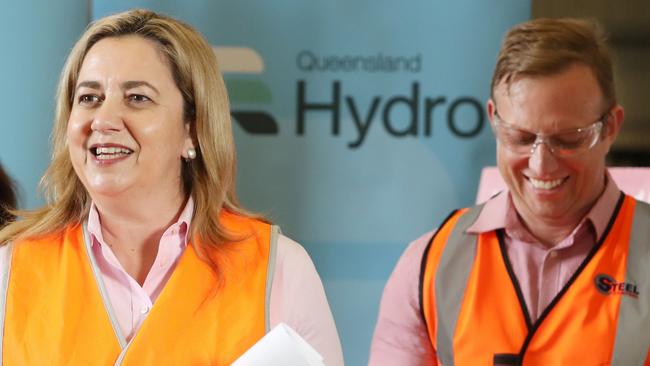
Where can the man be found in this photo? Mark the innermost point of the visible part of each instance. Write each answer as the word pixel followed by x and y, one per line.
pixel 553 271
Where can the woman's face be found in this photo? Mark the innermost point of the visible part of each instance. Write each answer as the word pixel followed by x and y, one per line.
pixel 126 132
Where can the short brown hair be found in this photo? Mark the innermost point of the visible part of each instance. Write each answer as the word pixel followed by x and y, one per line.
pixel 546 46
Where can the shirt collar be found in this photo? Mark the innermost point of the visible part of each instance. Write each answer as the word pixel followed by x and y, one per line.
pixel 500 213
pixel 601 213
pixel 493 215
pixel 94 226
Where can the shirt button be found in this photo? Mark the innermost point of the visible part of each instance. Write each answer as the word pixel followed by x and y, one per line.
pixel 552 254
pixel 144 310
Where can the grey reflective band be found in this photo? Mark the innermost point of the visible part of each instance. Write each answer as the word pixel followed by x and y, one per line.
pixel 270 271
pixel 633 329
pixel 6 251
pixel 120 358
pixel 102 289
pixel 452 273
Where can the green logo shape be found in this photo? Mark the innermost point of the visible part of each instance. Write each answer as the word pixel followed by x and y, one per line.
pixel 246 90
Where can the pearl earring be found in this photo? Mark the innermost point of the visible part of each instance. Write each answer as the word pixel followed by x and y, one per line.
pixel 191 153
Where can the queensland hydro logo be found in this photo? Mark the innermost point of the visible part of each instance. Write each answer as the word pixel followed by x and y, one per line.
pixel 241 63
pixel 403 114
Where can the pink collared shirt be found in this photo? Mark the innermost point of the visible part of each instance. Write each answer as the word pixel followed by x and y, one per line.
pixel 400 335
pixel 297 298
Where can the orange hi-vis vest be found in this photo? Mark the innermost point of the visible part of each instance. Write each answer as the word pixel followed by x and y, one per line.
pixel 476 315
pixel 57 312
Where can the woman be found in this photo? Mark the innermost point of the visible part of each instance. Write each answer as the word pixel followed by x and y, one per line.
pixel 143 254
pixel 7 197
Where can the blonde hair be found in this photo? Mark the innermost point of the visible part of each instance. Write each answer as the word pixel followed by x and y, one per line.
pixel 209 178
pixel 542 47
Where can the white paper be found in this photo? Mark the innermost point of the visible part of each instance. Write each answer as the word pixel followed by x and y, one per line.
pixel 281 346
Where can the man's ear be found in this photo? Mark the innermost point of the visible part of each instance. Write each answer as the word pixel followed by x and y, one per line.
pixel 614 123
pixel 491 108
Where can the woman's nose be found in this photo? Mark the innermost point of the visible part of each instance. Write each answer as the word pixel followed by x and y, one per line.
pixel 108 116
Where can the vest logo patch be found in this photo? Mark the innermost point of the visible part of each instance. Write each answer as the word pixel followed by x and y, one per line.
pixel 607 285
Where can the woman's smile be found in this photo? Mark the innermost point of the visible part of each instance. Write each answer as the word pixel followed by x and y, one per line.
pixel 109 153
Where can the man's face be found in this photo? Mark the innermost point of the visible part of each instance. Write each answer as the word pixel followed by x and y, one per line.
pixel 545 185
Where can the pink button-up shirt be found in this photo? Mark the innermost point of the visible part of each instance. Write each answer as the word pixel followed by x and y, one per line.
pixel 130 301
pixel 401 337
pixel 297 299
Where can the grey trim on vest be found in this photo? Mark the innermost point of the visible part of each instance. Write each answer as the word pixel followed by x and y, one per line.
pixel 102 289
pixel 120 358
pixel 633 329
pixel 270 271
pixel 456 263
pixel 5 251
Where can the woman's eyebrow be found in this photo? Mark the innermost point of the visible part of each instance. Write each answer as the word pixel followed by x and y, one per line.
pixel 136 83
pixel 125 85
pixel 88 84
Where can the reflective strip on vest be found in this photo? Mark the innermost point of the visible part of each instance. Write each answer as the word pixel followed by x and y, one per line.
pixel 270 271
pixel 5 253
pixel 634 315
pixel 474 310
pixel 451 280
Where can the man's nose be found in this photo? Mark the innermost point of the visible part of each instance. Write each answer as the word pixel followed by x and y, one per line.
pixel 542 160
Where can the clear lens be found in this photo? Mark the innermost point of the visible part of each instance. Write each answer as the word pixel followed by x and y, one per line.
pixel 515 140
pixel 562 144
pixel 574 142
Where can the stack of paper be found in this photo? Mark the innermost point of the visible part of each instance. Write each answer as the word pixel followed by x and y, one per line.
pixel 281 346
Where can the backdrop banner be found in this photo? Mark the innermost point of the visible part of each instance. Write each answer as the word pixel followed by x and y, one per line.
pixel 359 125
pixel 36 36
